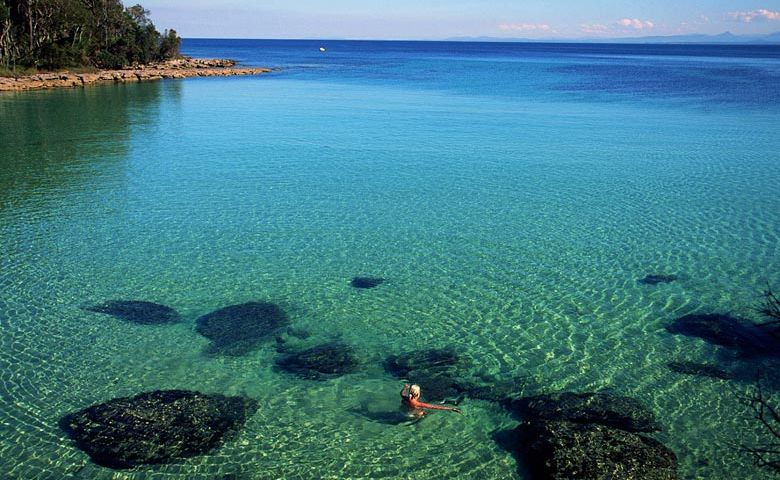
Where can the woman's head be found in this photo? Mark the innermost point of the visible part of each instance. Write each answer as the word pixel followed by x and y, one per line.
pixel 414 391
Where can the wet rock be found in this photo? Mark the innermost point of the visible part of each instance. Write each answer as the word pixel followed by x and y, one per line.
pixel 432 359
pixel 237 329
pixel 656 279
pixel 616 411
pixel 137 311
pixel 700 369
pixel 156 427
pixel 367 282
pixel 321 362
pixel 726 331
pixel 560 450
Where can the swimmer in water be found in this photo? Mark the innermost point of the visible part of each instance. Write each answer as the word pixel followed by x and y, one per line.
pixel 410 398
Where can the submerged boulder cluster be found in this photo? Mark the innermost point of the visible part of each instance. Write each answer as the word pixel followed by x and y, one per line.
pixel 166 425
pixel 137 311
pixel 590 436
pixel 321 362
pixel 238 329
pixel 743 336
pixel 435 369
pixel 156 427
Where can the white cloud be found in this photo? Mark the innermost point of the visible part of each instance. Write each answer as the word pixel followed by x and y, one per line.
pixel 593 28
pixel 635 23
pixel 762 14
pixel 525 27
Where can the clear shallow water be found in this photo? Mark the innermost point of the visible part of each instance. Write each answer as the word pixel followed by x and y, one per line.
pixel 511 194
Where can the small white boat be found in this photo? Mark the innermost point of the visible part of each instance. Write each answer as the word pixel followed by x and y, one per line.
pixel 322 49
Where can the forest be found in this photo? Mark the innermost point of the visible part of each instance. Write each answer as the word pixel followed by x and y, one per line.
pixel 56 34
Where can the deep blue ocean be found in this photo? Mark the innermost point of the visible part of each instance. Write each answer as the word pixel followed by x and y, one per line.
pixel 512 196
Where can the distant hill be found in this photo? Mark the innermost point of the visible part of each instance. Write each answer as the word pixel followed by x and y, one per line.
pixel 725 37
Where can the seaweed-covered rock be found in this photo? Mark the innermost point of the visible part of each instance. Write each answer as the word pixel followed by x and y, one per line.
pixel 366 282
pixel 237 329
pixel 321 362
pixel 432 359
pixel 616 411
pixel 726 331
pixel 700 369
pixel 560 450
pixel 656 279
pixel 137 311
pixel 155 427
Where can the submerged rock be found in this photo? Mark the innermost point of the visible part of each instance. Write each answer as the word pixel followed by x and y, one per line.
pixel 137 311
pixel 366 282
pixel 726 331
pixel 437 387
pixel 155 427
pixel 617 411
pixel 432 359
pixel 237 329
pixel 656 279
pixel 700 369
pixel 500 391
pixel 561 450
pixel 321 362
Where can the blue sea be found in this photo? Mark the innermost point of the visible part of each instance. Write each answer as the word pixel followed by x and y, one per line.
pixel 511 196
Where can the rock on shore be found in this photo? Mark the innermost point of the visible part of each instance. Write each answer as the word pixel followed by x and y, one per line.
pixel 179 68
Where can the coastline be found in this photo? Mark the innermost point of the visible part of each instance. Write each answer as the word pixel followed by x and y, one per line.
pixel 178 68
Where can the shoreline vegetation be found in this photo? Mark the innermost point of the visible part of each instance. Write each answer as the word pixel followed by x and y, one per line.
pixel 47 44
pixel 175 68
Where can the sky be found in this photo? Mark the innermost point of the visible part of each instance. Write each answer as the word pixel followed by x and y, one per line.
pixel 440 19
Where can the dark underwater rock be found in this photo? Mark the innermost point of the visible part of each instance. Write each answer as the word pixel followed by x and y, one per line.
pixel 321 362
pixel 156 427
pixel 700 369
pixel 366 282
pixel 616 411
pixel 137 311
pixel 726 331
pixel 501 391
pixel 237 329
pixel 432 359
pixel 656 279
pixel 437 386
pixel 560 450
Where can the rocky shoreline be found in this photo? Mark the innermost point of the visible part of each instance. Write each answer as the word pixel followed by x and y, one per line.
pixel 178 68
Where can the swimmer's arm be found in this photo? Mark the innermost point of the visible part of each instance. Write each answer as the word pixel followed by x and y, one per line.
pixel 405 390
pixel 437 407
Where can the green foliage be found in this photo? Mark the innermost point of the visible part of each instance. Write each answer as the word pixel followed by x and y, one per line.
pixel 53 34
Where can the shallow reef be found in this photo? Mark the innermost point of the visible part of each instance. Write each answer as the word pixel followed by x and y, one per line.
pixel 561 450
pixel 366 282
pixel 617 411
pixel 136 311
pixel 727 331
pixel 321 362
pixel 156 427
pixel 237 329
pixel 588 436
pixel 439 359
pixel 434 369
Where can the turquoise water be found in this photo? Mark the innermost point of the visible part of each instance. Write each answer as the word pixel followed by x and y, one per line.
pixel 511 195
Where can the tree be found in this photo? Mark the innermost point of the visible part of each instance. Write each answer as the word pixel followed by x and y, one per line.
pixel 765 409
pixel 767 454
pixel 60 33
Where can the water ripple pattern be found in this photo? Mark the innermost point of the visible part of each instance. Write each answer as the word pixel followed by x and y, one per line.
pixel 511 200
